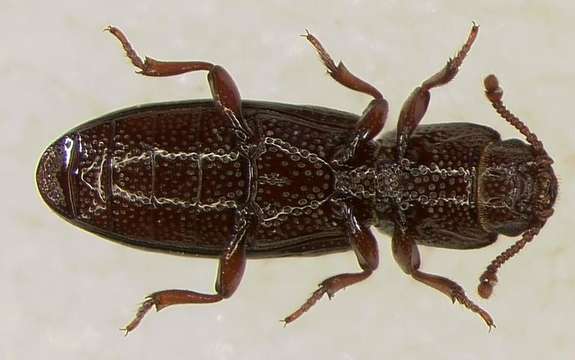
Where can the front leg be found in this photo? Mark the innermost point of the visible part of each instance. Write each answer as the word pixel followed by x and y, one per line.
pixel 364 245
pixel 224 90
pixel 407 256
pixel 373 118
pixel 416 104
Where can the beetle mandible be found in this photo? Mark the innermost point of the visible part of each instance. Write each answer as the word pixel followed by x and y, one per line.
pixel 234 179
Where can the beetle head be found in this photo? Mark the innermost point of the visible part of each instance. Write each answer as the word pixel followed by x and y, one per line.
pixel 517 187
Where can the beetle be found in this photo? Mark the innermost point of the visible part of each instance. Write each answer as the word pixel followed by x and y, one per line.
pixel 232 179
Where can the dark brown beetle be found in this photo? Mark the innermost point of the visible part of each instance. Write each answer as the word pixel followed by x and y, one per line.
pixel 237 179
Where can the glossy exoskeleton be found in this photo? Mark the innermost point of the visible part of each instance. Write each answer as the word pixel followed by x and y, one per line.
pixel 236 179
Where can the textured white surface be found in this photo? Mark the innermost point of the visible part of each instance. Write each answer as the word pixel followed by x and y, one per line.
pixel 65 293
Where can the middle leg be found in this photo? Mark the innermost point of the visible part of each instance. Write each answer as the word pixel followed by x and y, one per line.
pixel 224 90
pixel 365 247
pixel 375 114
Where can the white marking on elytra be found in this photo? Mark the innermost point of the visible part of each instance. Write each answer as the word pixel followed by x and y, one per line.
pixel 96 184
pixel 92 176
pixel 468 175
pixel 387 183
pixel 98 168
pixel 273 179
pixel 311 157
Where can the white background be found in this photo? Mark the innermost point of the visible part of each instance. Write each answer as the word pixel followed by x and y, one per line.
pixel 66 293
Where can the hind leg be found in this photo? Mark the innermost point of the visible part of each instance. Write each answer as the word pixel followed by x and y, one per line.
pixel 231 268
pixel 364 245
pixel 224 90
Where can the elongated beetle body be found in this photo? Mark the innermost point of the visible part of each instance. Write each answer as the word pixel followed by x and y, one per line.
pixel 235 179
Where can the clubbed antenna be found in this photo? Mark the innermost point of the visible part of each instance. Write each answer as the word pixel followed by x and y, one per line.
pixel 495 94
pixel 489 277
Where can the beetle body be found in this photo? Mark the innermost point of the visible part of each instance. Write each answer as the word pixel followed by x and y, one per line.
pixel 236 179
pixel 170 177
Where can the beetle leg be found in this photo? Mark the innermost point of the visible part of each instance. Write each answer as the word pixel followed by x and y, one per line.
pixel 365 247
pixel 224 90
pixel 407 256
pixel 231 268
pixel 374 115
pixel 416 104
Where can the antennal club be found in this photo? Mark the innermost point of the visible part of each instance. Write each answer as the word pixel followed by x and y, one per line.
pixel 488 279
